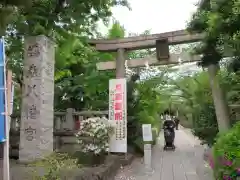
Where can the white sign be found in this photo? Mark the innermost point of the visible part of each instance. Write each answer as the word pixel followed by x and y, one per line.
pixel 118 114
pixel 147 132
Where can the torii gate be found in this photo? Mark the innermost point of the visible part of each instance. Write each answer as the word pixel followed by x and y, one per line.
pixel 161 41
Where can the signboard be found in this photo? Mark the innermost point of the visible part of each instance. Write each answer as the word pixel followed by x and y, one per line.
pixel 2 92
pixel 118 114
pixel 147 132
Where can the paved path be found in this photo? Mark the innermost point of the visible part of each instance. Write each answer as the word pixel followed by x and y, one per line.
pixel 185 163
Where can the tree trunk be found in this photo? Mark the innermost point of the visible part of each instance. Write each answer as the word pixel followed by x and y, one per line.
pixel 219 99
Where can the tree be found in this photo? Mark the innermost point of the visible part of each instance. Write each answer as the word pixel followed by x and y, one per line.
pixel 218 21
pixel 69 29
pixel 58 11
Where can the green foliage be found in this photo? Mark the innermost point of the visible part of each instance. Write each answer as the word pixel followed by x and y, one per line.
pixel 43 17
pixel 52 167
pixel 8 11
pixel 205 125
pixel 139 143
pixel 231 83
pixel 144 106
pixel 192 97
pixel 116 31
pixel 89 159
pixel 75 67
pixel 219 22
pixel 194 103
pixel 226 153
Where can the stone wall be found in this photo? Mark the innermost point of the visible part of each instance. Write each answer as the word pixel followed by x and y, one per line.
pixel 65 126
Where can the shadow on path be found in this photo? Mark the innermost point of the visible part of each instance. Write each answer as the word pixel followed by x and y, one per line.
pixel 185 163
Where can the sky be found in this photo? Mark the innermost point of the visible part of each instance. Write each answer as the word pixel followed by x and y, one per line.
pixel 158 16
pixel 155 15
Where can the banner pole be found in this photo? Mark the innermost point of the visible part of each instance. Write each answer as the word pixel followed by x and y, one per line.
pixel 8 94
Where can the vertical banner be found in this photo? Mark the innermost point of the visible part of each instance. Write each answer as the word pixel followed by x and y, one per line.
pixel 118 114
pixel 2 92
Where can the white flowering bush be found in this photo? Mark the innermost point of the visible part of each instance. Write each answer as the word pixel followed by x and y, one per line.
pixel 94 134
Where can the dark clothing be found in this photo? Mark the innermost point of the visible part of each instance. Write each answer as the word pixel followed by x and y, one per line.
pixel 176 120
pixel 169 133
pixel 168 123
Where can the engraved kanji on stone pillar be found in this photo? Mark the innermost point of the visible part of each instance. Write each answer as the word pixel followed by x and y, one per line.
pixel 36 132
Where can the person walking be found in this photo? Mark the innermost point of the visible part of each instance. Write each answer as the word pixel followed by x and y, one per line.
pixel 176 120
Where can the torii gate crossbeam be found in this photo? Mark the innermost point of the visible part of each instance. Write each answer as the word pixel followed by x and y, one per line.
pixel 144 41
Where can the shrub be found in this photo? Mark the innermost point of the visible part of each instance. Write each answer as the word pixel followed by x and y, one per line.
pixel 52 167
pixel 139 143
pixel 155 132
pixel 146 118
pixel 226 154
pixel 93 135
pixel 205 124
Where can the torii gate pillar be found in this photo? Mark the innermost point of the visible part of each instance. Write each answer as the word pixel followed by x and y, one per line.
pixel 120 64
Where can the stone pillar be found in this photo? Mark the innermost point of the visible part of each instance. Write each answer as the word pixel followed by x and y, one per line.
pixel 70 123
pixel 148 157
pixel 36 131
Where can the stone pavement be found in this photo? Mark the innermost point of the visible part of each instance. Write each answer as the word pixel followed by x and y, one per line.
pixel 185 163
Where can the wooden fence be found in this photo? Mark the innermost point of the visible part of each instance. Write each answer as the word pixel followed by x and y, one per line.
pixel 65 126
